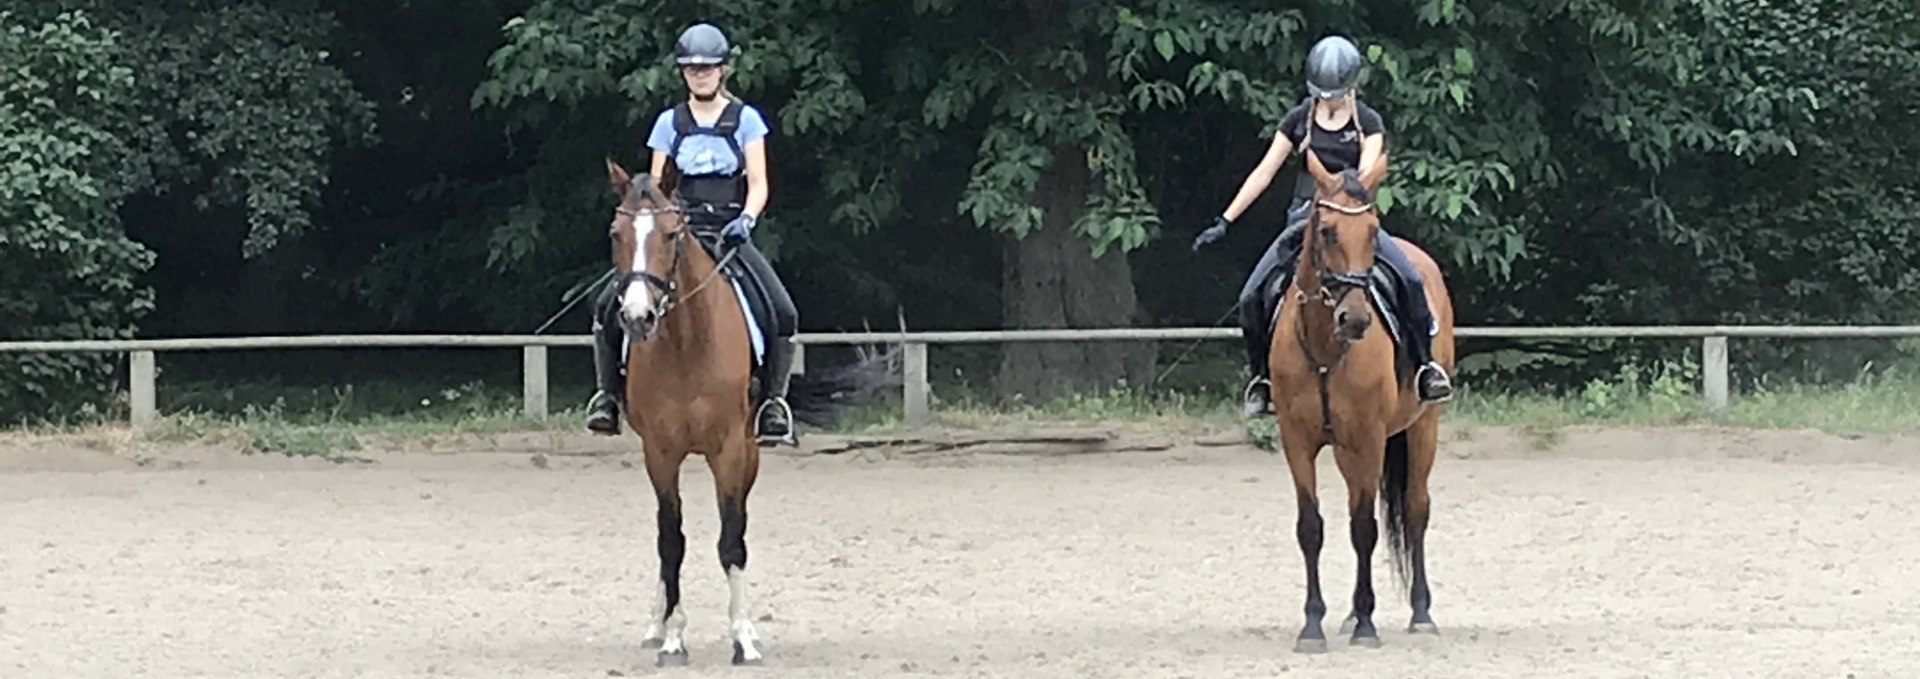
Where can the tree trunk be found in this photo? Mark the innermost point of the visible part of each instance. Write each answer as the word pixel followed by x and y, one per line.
pixel 1051 280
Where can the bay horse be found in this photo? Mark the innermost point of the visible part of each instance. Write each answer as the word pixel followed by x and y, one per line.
pixel 689 368
pixel 1338 379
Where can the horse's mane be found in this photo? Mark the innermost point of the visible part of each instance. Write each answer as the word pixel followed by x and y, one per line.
pixel 1350 185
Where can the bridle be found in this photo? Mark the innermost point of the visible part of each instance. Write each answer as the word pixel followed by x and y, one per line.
pixel 668 286
pixel 1334 286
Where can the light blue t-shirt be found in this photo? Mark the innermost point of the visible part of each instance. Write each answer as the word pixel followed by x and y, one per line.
pixel 704 153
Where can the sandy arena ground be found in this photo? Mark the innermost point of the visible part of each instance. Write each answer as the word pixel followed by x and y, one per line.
pixel 1592 553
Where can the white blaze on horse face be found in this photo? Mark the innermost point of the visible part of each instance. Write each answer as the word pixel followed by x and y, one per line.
pixel 637 301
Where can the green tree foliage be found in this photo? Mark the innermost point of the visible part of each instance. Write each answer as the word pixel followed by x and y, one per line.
pixel 1566 161
pixel 213 106
pixel 68 270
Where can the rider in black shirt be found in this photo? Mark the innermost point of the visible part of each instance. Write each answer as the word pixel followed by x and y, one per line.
pixel 1344 133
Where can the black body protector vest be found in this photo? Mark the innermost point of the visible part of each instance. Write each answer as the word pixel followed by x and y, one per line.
pixel 712 198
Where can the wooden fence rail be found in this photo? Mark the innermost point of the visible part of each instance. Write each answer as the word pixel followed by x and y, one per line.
pixel 916 392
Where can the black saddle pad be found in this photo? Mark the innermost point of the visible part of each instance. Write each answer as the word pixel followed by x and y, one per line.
pixel 759 303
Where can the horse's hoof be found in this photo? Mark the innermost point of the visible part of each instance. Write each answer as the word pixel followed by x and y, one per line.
pixel 740 658
pixel 1346 626
pixel 1364 633
pixel 1423 628
pixel 674 659
pixel 1310 646
pixel 653 644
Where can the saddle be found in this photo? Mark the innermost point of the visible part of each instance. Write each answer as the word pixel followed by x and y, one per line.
pixel 753 296
pixel 1386 289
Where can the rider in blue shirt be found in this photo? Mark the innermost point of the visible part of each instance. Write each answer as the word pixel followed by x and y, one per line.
pixel 719 144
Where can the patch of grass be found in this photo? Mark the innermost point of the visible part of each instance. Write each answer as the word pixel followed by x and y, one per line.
pixel 1115 405
pixel 338 422
pixel 1666 394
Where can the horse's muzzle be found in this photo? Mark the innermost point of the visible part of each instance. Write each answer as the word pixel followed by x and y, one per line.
pixel 638 312
pixel 1351 325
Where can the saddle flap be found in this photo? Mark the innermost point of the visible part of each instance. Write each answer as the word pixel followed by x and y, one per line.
pixel 751 291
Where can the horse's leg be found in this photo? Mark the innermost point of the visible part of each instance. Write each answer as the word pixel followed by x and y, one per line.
pixel 1423 443
pixel 734 471
pixel 669 623
pixel 1361 468
pixel 1301 450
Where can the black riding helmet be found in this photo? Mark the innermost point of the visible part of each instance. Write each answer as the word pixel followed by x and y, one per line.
pixel 701 44
pixel 1333 67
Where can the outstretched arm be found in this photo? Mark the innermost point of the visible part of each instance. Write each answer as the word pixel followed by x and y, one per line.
pixel 1261 177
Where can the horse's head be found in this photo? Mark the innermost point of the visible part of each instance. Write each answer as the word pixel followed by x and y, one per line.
pixel 1342 229
pixel 648 250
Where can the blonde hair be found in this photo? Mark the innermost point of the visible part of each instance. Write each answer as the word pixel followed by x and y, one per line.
pixel 725 71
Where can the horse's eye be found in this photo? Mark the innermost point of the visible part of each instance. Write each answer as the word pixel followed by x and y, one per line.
pixel 1330 234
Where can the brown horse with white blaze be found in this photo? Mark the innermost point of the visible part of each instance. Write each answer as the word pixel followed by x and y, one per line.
pixel 689 376
pixel 688 364
pixel 1337 381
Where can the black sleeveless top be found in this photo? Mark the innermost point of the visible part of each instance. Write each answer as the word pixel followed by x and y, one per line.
pixel 1337 149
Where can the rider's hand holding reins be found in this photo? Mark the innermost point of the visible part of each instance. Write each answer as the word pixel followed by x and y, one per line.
pixel 736 231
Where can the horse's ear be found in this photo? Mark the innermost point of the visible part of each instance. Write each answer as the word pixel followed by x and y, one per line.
pixel 618 177
pixel 1326 180
pixel 669 177
pixel 1375 174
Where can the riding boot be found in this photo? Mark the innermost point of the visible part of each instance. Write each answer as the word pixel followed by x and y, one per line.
pixel 774 424
pixel 1257 400
pixel 1430 381
pixel 603 412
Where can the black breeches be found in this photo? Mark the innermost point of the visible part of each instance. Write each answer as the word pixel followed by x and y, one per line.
pixel 604 308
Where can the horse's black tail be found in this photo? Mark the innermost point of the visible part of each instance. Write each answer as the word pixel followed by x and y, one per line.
pixel 1394 482
pixel 819 397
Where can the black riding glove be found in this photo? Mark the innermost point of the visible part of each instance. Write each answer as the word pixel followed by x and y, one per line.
pixel 1216 230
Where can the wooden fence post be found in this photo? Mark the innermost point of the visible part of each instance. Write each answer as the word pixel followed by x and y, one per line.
pixel 914 384
pixel 140 385
pixel 533 378
pixel 1713 365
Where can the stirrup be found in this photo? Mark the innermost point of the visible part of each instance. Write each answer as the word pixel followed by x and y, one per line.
pixel 760 417
pixel 1265 394
pixel 1419 383
pixel 611 416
